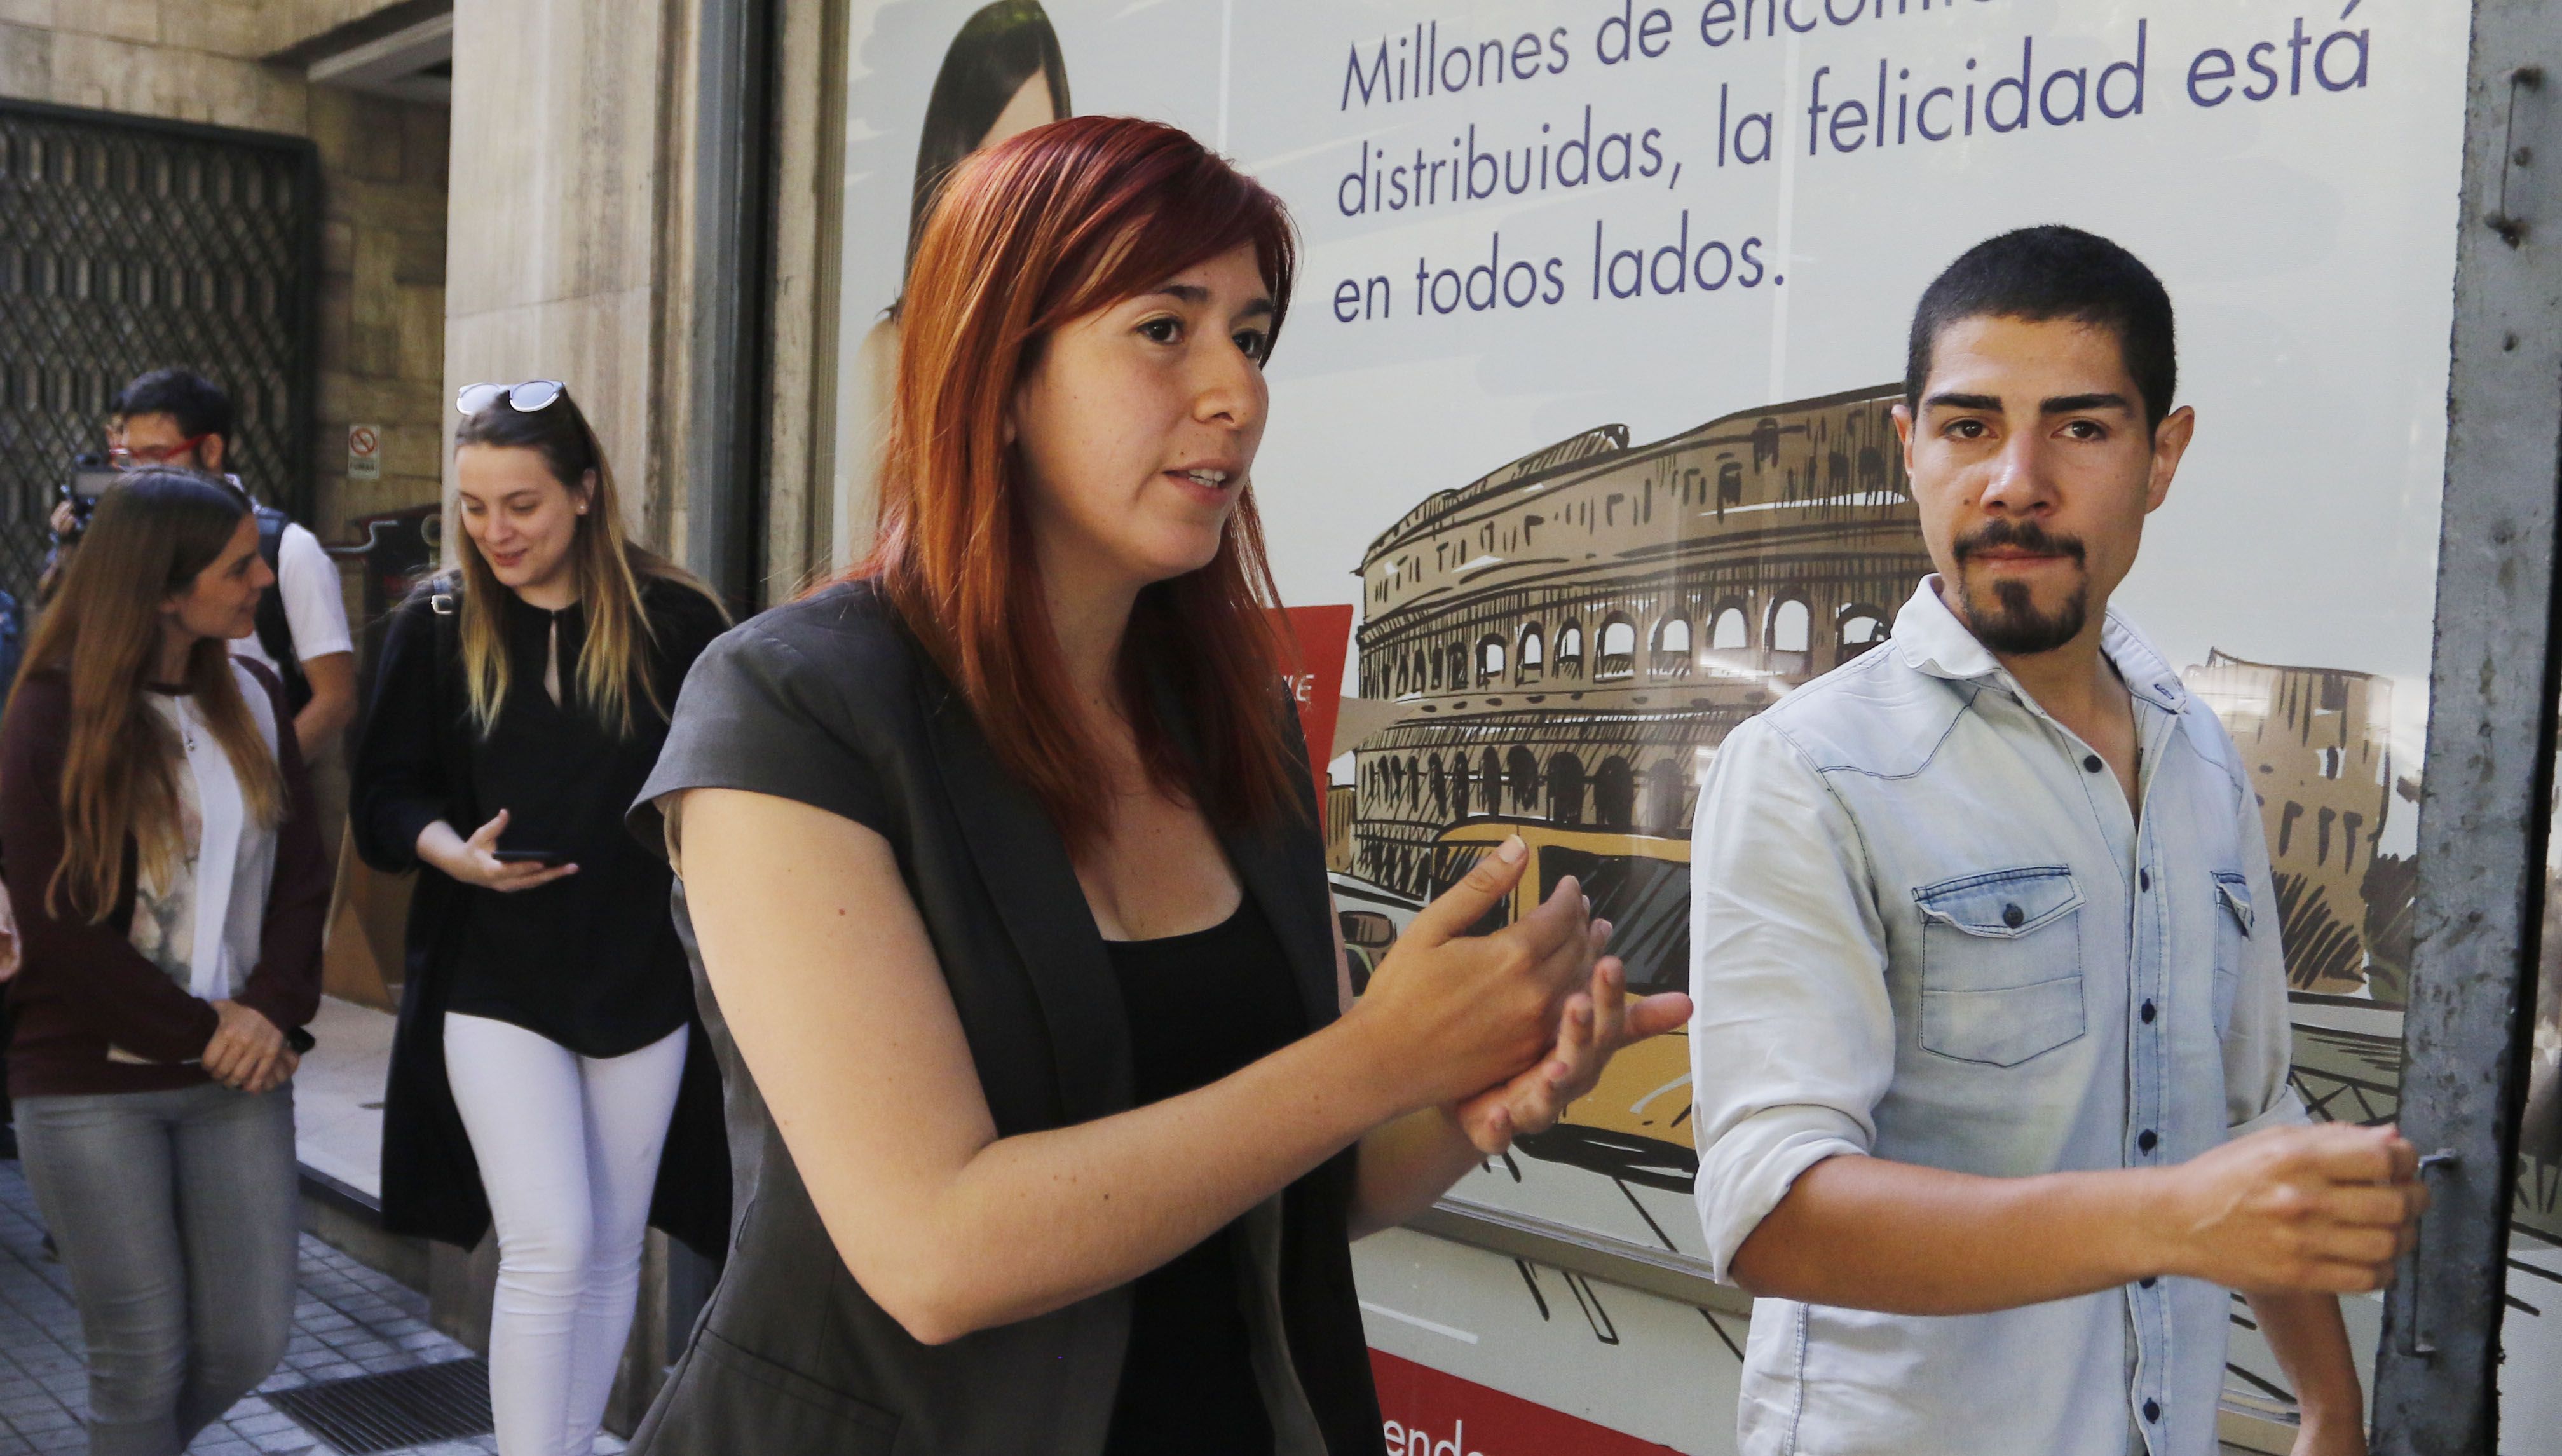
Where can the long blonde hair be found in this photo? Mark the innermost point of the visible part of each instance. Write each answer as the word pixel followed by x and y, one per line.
pixel 608 566
pixel 149 538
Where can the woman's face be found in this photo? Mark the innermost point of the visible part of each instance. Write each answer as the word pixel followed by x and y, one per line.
pixel 222 599
pixel 1139 423
pixel 519 515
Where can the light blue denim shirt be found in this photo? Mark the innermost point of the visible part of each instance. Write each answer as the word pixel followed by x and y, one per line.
pixel 1925 926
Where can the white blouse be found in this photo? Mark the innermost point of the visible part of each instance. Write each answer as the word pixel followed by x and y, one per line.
pixel 202 919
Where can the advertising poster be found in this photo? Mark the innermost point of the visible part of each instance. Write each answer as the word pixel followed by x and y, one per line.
pixel 1580 423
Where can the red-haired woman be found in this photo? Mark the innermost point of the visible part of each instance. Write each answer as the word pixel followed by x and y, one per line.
pixel 1000 862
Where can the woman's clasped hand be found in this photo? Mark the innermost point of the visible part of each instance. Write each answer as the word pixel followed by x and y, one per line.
pixel 248 1053
pixel 1520 1023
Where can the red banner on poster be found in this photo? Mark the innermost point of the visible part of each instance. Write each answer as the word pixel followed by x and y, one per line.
pixel 1324 636
pixel 1430 1413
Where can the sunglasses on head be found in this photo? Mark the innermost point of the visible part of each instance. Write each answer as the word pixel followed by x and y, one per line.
pixel 530 396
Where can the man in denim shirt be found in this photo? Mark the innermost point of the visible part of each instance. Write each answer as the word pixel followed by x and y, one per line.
pixel 1990 1049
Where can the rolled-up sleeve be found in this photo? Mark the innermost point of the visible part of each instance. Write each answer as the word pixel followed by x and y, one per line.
pixel 2260 1042
pixel 758 715
pixel 1793 1039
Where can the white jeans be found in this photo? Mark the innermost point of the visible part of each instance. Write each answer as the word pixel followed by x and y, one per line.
pixel 568 1148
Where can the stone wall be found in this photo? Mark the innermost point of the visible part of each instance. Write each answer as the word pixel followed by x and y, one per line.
pixel 558 242
pixel 381 346
pixel 381 299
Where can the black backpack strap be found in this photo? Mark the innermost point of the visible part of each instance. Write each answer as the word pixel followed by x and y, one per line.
pixel 444 613
pixel 274 629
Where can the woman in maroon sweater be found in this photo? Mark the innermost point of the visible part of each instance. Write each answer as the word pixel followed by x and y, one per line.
pixel 164 862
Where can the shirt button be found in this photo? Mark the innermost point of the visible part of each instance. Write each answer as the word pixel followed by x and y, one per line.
pixel 2147 1282
pixel 2144 879
pixel 2093 763
pixel 2152 1410
pixel 2012 916
pixel 2148 1013
pixel 2145 1139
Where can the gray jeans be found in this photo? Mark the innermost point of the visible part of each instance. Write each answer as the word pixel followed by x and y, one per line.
pixel 175 1213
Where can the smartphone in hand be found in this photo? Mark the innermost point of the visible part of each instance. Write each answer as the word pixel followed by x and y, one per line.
pixel 547 858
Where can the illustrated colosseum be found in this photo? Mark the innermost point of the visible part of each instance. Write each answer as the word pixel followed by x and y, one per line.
pixel 1575 629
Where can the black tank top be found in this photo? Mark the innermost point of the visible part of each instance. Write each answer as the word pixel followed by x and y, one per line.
pixel 1199 1007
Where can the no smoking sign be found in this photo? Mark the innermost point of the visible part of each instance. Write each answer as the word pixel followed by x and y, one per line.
pixel 364 452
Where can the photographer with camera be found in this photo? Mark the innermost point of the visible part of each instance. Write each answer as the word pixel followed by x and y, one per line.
pixel 178 418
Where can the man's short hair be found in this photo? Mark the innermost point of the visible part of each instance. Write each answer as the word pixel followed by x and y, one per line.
pixel 197 402
pixel 2051 273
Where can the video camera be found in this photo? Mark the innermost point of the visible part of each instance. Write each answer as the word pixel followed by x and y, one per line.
pixel 91 476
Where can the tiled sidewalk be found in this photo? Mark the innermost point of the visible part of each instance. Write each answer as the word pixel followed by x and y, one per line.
pixel 349 1320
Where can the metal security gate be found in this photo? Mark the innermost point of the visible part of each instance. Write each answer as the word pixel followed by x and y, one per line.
pixel 2484 829
pixel 128 244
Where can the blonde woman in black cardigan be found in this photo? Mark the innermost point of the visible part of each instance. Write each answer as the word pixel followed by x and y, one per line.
pixel 545 1071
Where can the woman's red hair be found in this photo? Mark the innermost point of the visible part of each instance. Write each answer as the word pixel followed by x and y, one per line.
pixel 1050 225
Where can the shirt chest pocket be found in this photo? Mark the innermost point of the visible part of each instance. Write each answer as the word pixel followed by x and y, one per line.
pixel 2233 916
pixel 2001 965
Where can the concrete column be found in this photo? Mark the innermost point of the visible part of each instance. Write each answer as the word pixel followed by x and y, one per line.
pixel 557 259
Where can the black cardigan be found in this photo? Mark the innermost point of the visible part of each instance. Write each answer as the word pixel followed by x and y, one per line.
pixel 830 701
pixel 415 746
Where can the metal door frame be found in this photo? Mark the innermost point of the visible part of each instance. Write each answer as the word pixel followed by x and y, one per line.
pixel 732 161
pixel 2487 813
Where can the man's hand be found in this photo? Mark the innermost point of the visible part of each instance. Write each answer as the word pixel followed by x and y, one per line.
pixel 246 1050
pixel 2319 1209
pixel 2286 1214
